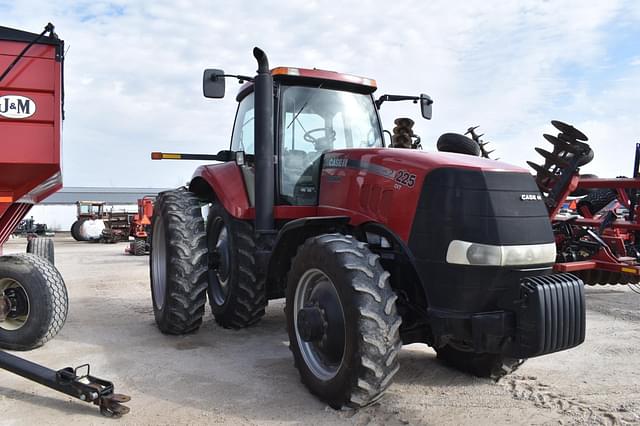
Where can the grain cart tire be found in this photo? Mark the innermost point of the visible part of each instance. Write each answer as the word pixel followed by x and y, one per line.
pixel 38 298
pixel 492 366
pixel 75 230
pixel 236 294
pixel 42 247
pixel 342 321
pixel 597 200
pixel 178 262
pixel 453 142
pixel 139 247
pixel 580 192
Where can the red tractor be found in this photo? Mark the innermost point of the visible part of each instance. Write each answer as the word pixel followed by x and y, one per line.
pixel 372 247
pixel 140 227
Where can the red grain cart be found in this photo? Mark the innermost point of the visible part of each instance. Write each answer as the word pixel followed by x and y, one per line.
pixel 33 296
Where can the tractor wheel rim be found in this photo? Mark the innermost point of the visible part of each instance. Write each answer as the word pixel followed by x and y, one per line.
pixel 20 308
pixel 325 356
pixel 159 263
pixel 222 269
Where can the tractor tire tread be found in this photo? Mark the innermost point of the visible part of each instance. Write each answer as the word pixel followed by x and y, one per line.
pixel 376 360
pixel 247 298
pixel 186 271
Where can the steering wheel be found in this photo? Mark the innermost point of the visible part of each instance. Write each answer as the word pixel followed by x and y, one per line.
pixel 329 134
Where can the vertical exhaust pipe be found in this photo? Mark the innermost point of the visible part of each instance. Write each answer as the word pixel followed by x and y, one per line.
pixel 264 144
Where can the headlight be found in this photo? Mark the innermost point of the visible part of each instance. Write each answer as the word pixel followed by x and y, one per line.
pixel 466 253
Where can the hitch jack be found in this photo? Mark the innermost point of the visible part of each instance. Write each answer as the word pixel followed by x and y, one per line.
pixel 76 382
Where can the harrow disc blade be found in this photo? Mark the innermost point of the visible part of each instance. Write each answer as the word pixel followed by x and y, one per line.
pixel 562 145
pixel 552 158
pixel 569 130
pixel 542 173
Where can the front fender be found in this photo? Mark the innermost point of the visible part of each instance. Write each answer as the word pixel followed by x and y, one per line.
pixel 224 183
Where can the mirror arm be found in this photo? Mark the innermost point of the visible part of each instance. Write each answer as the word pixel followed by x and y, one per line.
pixel 241 78
pixel 395 98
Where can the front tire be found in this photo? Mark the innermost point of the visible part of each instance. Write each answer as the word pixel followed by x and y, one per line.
pixel 494 366
pixel 178 262
pixel 342 321
pixel 35 291
pixel 237 294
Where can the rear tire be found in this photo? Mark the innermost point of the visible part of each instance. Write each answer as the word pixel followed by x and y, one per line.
pixel 237 295
pixel 178 262
pixel 454 142
pixel 42 247
pixel 494 366
pixel 39 301
pixel 339 299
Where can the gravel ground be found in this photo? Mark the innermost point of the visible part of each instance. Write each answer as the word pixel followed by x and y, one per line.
pixel 247 376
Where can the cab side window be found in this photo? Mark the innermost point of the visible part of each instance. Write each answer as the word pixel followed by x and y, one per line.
pixel 243 131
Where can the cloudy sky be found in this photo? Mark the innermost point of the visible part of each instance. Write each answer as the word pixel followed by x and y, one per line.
pixel 134 69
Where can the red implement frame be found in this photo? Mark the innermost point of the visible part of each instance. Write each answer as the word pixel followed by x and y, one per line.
pixel 616 233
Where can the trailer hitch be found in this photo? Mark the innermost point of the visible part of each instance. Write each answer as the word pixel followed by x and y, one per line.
pixel 76 382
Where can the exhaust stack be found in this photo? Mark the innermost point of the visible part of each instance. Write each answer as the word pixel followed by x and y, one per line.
pixel 264 144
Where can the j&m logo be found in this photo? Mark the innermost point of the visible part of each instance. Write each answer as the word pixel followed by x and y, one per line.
pixel 14 106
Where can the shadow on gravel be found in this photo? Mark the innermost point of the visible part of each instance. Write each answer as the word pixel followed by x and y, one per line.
pixel 59 403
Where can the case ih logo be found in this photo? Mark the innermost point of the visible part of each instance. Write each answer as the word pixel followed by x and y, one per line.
pixel 530 197
pixel 14 106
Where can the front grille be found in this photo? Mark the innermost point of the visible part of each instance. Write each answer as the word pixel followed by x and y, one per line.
pixel 550 316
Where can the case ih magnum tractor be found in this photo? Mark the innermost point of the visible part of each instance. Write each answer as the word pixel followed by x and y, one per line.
pixel 372 247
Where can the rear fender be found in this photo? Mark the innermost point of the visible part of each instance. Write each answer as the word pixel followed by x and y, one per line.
pixel 223 183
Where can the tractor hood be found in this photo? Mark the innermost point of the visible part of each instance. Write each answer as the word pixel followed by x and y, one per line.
pixel 385 185
pixel 422 160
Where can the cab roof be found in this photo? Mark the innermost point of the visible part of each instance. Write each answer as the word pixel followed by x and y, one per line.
pixel 305 76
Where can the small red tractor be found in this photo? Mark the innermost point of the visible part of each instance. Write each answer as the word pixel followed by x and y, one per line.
pixel 598 240
pixel 33 295
pixel 372 247
pixel 140 228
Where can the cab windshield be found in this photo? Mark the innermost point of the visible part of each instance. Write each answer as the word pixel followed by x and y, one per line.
pixel 315 120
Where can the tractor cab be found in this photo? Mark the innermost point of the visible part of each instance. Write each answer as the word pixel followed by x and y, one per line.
pixel 316 111
pixel 90 209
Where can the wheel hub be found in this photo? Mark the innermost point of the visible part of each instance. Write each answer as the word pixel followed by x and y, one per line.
pixel 219 261
pixel 311 324
pixel 320 324
pixel 14 304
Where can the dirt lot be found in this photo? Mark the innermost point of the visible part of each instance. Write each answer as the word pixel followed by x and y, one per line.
pixel 247 377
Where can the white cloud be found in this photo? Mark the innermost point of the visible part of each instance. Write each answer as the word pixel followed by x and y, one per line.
pixel 133 72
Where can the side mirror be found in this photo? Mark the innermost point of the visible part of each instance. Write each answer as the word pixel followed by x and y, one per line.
pixel 425 106
pixel 213 83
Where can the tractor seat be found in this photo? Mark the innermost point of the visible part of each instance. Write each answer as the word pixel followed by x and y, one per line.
pixel 295 159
